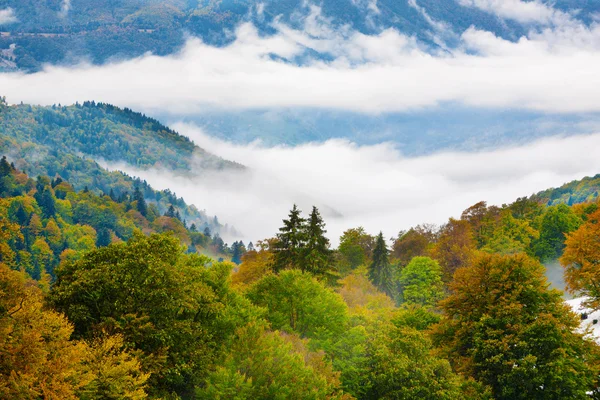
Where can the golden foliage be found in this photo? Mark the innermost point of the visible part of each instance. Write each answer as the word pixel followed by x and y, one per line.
pixel 581 259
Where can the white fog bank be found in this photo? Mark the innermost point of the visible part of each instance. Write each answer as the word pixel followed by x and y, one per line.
pixel 371 186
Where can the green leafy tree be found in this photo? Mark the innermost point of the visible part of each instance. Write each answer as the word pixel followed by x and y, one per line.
pixel 420 282
pixel 266 365
pixel 403 367
pixel 380 270
pixel 355 249
pixel 503 326
pixel 162 302
pixel 297 302
pixel 555 223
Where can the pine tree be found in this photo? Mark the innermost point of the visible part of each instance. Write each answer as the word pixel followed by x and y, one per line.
pixel 141 203
pixel 5 168
pixel 237 250
pixel 193 228
pixel 317 253
pixel 47 202
pixel 207 232
pixel 103 238
pixel 170 212
pixel 21 216
pixel 380 270
pixel 290 241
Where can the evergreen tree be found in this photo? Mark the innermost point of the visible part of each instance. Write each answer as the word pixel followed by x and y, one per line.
pixel 103 238
pixel 170 212
pixel 380 270
pixel 193 228
pixel 207 232
pixel 21 216
pixel 46 202
pixel 141 203
pixel 291 240
pixel 5 168
pixel 237 252
pixel 317 254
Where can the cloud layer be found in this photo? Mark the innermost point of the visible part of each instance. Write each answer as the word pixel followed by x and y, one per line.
pixel 373 186
pixel 552 70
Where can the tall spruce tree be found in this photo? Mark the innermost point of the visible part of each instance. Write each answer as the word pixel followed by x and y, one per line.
pixel 237 250
pixel 170 212
pixel 380 270
pixel 141 203
pixel 291 240
pixel 316 254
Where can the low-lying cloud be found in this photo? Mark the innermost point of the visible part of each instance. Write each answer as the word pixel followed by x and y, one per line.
pixel 64 8
pixel 552 70
pixel 7 16
pixel 371 186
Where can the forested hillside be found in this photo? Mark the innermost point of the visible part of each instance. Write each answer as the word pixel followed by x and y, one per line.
pixel 63 31
pixel 66 141
pixel 46 221
pixel 97 304
pixel 580 191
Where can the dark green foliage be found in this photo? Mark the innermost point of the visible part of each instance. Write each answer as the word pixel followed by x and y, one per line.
pixel 141 203
pixel 291 240
pixel 103 238
pixel 381 271
pixel 317 257
pixel 237 251
pixel 302 244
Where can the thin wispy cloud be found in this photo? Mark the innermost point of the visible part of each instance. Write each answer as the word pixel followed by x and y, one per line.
pixel 521 11
pixel 374 186
pixel 553 70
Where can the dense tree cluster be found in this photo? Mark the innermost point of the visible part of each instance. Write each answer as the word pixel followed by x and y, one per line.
pixel 301 243
pixel 105 298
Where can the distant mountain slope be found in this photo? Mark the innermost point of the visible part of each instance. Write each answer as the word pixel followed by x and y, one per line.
pixel 67 141
pixel 580 191
pixel 47 32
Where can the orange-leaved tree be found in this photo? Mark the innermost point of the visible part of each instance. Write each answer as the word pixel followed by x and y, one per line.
pixel 581 260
